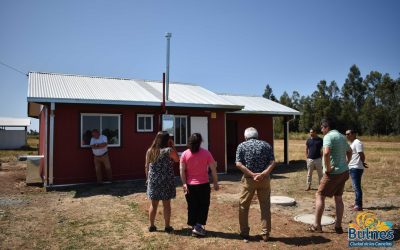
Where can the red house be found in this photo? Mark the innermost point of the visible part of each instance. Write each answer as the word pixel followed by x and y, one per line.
pixel 130 113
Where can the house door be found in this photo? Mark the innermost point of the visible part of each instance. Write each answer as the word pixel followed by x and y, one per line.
pixel 199 124
pixel 231 140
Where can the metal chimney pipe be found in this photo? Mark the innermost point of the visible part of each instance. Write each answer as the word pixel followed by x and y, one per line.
pixel 163 94
pixel 168 36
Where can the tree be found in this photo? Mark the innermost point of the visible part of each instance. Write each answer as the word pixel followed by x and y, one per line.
pixel 33 132
pixel 396 107
pixel 295 104
pixel 285 99
pixel 369 117
pixel 306 120
pixel 353 97
pixel 353 89
pixel 370 105
pixel 320 102
pixel 388 102
pixel 268 93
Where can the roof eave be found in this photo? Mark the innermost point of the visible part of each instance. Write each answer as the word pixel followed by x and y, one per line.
pixel 133 103
pixel 202 105
pixel 265 112
pixel 91 101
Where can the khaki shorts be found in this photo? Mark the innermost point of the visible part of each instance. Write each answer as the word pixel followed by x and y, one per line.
pixel 333 184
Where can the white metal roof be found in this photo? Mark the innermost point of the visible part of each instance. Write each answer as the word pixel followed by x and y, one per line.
pixel 259 105
pixel 14 122
pixel 49 87
pixel 63 88
pixel 52 87
pixel 191 95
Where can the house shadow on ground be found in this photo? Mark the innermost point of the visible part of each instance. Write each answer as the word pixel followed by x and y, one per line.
pixel 301 241
pixel 293 166
pixel 384 208
pixel 124 188
pixel 292 241
pixel 234 174
pixel 119 189
pixel 210 234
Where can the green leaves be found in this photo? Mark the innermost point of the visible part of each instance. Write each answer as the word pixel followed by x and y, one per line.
pixel 370 105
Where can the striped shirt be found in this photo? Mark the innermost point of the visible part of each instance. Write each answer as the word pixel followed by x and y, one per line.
pixel 338 148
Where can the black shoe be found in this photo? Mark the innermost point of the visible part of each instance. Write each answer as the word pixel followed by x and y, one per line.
pixel 245 238
pixel 339 230
pixel 265 237
pixel 357 208
pixel 152 228
pixel 169 229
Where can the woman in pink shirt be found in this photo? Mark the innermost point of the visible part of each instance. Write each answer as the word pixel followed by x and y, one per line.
pixel 194 165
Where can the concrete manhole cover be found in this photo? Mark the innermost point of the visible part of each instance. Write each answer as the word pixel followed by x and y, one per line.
pixel 283 200
pixel 309 219
pixel 10 201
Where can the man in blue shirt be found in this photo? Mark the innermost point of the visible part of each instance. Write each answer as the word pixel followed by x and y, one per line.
pixel 313 154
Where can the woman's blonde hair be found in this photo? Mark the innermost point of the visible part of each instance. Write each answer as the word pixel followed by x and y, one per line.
pixel 161 141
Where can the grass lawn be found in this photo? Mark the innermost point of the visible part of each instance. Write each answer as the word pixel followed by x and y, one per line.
pixel 115 216
pixel 30 149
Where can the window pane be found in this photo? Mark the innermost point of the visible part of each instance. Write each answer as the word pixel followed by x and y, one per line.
pixel 110 129
pixel 141 123
pixel 177 131
pixel 148 123
pixel 183 130
pixel 88 124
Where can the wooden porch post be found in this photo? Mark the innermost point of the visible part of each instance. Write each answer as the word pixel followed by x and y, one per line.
pixel 286 140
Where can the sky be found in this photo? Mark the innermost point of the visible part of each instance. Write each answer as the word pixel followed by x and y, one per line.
pixel 226 46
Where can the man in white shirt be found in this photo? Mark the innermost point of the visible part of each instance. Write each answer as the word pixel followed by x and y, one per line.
pixel 98 143
pixel 356 167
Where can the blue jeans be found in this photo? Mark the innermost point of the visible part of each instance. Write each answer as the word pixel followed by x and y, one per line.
pixel 356 182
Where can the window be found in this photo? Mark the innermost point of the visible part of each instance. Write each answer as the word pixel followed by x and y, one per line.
pixel 144 123
pixel 108 125
pixel 180 130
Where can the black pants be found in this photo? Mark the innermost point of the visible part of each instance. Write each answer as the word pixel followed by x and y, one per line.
pixel 198 200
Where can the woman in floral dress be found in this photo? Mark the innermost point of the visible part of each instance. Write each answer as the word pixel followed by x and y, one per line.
pixel 160 178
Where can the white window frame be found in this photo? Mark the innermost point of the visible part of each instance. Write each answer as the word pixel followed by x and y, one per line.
pixel 186 135
pixel 101 127
pixel 144 116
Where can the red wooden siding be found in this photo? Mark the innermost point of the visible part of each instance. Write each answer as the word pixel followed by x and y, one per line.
pixel 263 124
pixel 73 164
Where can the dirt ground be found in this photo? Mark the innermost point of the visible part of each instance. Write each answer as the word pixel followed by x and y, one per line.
pixel 114 216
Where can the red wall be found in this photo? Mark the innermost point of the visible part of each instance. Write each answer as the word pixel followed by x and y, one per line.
pixel 263 124
pixel 73 164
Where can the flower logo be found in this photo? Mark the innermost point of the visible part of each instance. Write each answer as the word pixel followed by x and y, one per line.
pixel 368 220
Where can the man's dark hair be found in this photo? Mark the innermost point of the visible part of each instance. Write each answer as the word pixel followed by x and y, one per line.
pixel 327 122
pixel 95 130
pixel 194 142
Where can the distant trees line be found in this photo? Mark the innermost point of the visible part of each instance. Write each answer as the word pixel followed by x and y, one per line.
pixel 371 105
pixel 33 132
